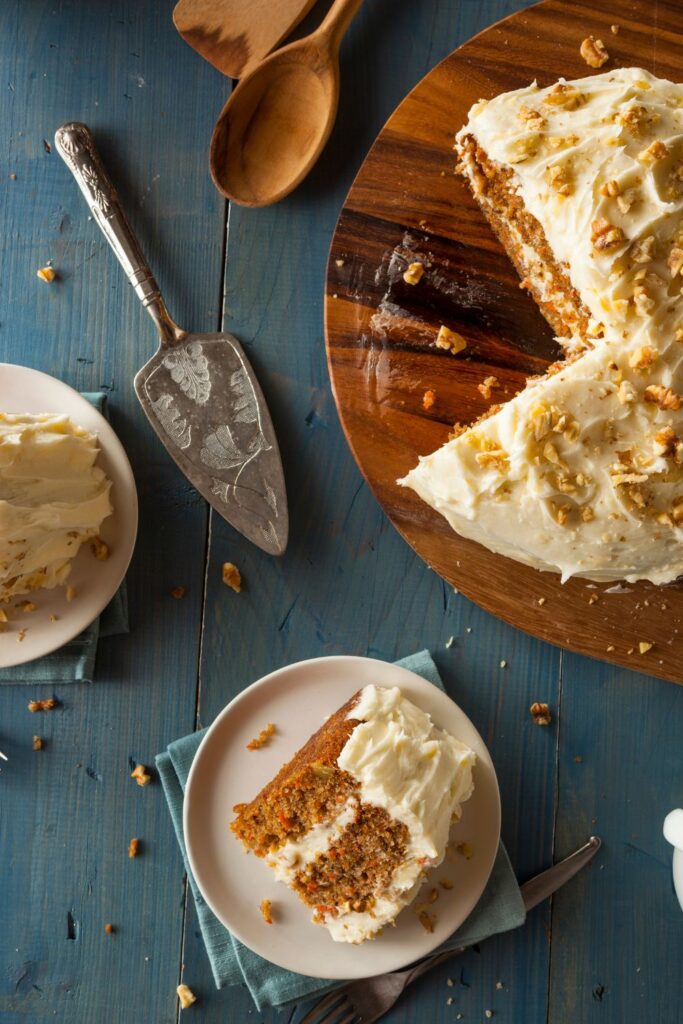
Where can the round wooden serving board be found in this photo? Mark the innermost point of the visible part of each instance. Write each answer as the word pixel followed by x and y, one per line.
pixel 407 204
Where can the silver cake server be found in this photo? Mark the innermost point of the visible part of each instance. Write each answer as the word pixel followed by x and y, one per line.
pixel 199 391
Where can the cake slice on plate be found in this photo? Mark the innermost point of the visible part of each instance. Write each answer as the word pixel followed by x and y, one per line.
pixel 582 472
pixel 361 812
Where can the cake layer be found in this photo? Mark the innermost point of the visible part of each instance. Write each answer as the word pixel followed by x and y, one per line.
pixel 359 814
pixel 582 472
pixel 52 498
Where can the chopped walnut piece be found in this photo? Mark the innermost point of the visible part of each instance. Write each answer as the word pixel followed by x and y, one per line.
pixel 266 908
pixel 426 921
pixel 414 273
pixel 674 261
pixel 556 177
pixel 587 514
pixel 644 647
pixel 47 704
pixel 626 394
pixel 232 576
pixel 610 189
pixel 655 151
pixel 46 274
pixel 665 398
pixel 133 847
pixel 186 996
pixel 428 399
pixel 540 713
pixel 643 357
pixel 178 592
pixel 109 928
pixel 450 340
pixel 262 738
pixel 487 387
pixel 643 250
pixel 594 52
pixel 533 119
pixel 99 549
pixel 626 200
pixel 564 95
pixel 37 743
pixel 141 775
pixel 605 235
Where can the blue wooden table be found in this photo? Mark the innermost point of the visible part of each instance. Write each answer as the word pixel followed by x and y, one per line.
pixel 608 948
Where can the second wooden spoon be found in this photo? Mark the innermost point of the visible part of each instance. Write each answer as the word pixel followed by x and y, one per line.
pixel 278 119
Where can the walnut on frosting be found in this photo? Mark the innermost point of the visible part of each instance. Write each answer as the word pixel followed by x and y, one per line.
pixel 662 396
pixel 655 151
pixel 564 95
pixel 605 235
pixel 533 119
pixel 643 249
pixel 558 179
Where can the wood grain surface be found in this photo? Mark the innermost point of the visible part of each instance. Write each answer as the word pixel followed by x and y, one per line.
pixel 407 205
pixel 606 950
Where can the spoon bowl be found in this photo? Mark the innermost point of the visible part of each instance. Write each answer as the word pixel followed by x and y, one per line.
pixel 275 124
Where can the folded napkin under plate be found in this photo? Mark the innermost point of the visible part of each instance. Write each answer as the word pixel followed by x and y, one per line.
pixel 75 661
pixel 499 909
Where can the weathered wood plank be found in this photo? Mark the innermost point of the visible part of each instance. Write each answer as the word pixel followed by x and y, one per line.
pixel 69 811
pixel 347 582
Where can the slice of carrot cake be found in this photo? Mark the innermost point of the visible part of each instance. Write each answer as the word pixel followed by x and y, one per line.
pixel 359 814
pixel 582 473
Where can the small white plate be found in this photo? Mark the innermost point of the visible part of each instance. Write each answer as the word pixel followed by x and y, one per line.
pixel 297 699
pixel 25 390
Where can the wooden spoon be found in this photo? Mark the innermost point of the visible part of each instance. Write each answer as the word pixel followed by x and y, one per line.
pixel 277 121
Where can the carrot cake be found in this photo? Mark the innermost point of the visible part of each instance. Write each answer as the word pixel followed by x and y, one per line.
pixel 52 498
pixel 582 472
pixel 361 812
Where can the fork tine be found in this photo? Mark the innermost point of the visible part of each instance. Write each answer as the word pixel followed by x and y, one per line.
pixel 325 1003
pixel 332 1017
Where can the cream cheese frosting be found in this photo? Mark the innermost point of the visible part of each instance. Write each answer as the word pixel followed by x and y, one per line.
pixel 420 775
pixel 52 498
pixel 582 473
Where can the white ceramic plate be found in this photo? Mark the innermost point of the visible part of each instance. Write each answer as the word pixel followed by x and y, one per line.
pixel 25 390
pixel 297 699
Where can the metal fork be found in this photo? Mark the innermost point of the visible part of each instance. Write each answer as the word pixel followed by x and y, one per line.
pixel 365 1001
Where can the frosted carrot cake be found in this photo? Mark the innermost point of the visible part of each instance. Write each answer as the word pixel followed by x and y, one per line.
pixel 361 812
pixel 582 472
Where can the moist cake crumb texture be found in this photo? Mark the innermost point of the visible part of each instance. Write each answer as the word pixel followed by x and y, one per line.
pixel 361 812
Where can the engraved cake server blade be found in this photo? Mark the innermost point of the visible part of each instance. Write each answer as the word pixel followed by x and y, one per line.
pixel 199 392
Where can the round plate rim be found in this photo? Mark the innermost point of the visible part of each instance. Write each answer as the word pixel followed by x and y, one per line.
pixel 110 446
pixel 194 776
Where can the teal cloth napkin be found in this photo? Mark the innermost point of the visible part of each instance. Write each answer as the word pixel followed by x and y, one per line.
pixel 499 909
pixel 75 662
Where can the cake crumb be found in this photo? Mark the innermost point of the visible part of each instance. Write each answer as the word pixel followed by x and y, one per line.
pixel 54 618
pixel 186 996
pixel 450 1001
pixel 339 263
pixel 37 743
pixel 644 647
pixel 413 274
pixel 499 985
pixel 488 386
pixel 614 29
pixel 178 593
pixel 594 52
pixel 610 647
pixel 99 549
pixel 109 928
pixel 446 883
pixel 450 340
pixel 266 908
pixel 488 1014
pixel 450 982
pixel 262 738
pixel 141 775
pixel 578 759
pixel 503 663
pixel 541 601
pixel 465 849
pixel 3 615
pixel 232 577
pixel 28 606
pixel 593 599
pixel 46 274
pixel 21 635
pixel 47 704
pixel 540 713
pixel 70 593
pixel 428 399
pixel 426 921
pixel 133 847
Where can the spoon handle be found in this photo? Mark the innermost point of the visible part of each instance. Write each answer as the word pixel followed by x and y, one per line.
pixel 77 149
pixel 338 19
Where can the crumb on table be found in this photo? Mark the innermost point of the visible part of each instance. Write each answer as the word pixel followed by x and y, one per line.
pixel 186 996
pixel 266 908
pixel 428 399
pixel 644 646
pixel 46 274
pixel 109 928
pixel 141 775
pixel 232 576
pixel 178 593
pixel 37 743
pixel 487 387
pixel 414 273
pixel 540 713
pixel 133 847
pixel 450 340
pixel 262 738
pixel 47 704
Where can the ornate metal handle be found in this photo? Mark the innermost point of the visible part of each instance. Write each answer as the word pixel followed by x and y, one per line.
pixel 77 149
